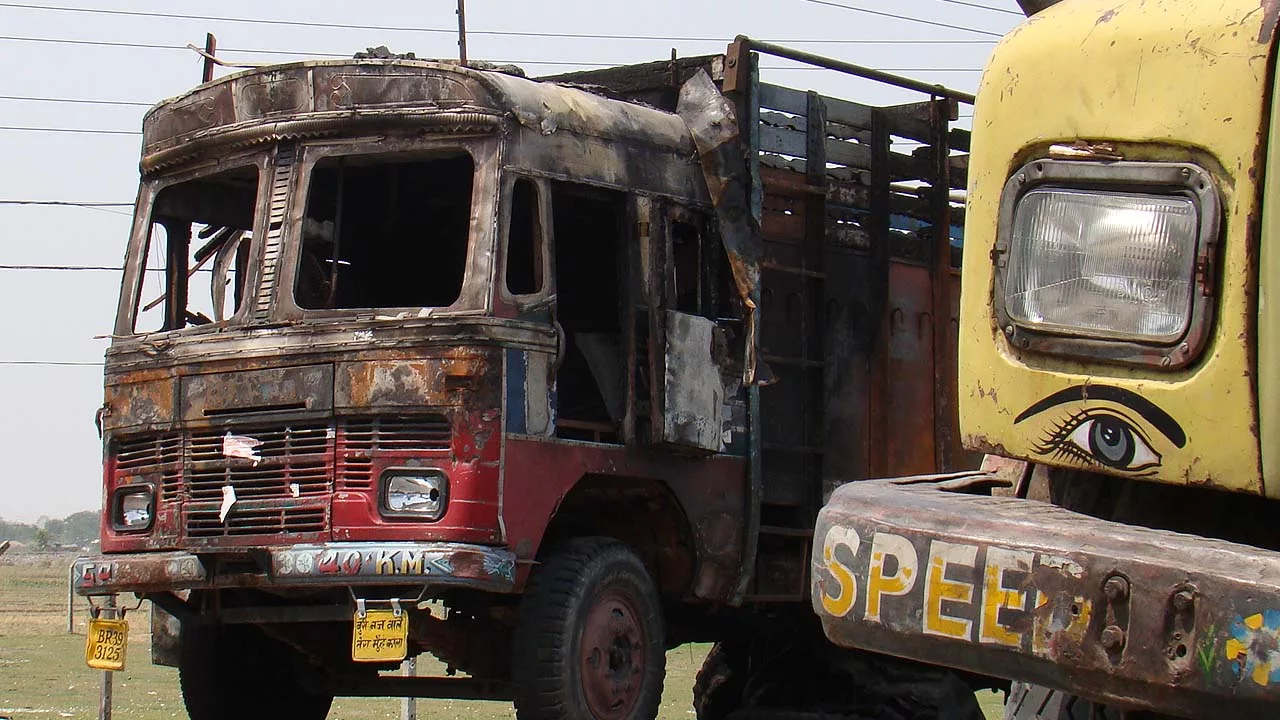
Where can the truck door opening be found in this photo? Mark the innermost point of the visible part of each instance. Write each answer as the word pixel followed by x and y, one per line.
pixel 590 384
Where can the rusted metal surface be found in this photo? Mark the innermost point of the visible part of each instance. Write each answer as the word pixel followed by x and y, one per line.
pixel 1016 588
pixel 403 563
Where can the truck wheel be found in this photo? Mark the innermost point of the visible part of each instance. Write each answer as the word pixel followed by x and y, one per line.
pixel 589 643
pixel 720 684
pixel 1035 702
pixel 237 671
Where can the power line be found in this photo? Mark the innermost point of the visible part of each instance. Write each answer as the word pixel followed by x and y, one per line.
pixel 1007 11
pixel 570 63
pixel 907 18
pixel 71 203
pixel 447 31
pixel 51 363
pixel 89 131
pixel 62 267
pixel 80 101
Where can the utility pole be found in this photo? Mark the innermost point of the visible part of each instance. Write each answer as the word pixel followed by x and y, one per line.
pixel 462 32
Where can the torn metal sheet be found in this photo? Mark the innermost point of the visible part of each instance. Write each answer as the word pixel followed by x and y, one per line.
pixel 710 118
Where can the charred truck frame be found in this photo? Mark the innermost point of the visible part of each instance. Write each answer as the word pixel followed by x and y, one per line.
pixel 558 377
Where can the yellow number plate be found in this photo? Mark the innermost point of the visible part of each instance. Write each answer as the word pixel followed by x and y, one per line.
pixel 379 636
pixel 105 646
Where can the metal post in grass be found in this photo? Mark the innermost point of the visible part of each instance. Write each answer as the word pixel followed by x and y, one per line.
pixel 71 598
pixel 409 710
pixel 104 697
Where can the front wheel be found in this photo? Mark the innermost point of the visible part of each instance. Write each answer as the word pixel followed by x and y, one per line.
pixel 589 643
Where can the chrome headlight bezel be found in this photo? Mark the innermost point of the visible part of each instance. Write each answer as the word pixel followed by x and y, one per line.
pixel 1183 180
pixel 116 511
pixel 410 473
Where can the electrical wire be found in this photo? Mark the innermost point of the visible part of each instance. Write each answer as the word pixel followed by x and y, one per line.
pixel 290 53
pixel 62 267
pixel 90 131
pixel 72 203
pixel 51 363
pixel 80 101
pixel 447 31
pixel 895 16
pixel 1007 11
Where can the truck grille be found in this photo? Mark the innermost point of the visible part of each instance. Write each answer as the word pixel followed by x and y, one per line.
pixel 286 489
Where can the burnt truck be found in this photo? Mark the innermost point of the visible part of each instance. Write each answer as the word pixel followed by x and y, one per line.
pixel 542 378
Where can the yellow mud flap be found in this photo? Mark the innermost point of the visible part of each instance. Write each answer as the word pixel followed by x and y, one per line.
pixel 105 647
pixel 928 569
pixel 379 634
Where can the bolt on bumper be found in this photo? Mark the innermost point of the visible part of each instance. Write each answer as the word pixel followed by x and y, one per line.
pixel 1024 590
pixel 356 563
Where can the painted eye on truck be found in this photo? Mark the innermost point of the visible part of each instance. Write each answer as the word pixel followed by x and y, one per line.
pixel 1102 437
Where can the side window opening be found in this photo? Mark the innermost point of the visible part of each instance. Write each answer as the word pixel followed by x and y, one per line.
pixel 686 260
pixel 524 240
pixel 197 251
pixel 385 232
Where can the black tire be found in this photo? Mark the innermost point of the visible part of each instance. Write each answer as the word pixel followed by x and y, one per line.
pixel 589 642
pixel 720 685
pixel 239 672
pixel 1035 702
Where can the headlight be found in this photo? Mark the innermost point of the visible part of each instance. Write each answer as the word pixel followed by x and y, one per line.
pixel 1105 265
pixel 132 508
pixel 1107 261
pixel 414 492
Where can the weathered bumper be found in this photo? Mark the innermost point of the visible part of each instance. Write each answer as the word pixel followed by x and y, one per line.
pixel 434 564
pixel 1025 590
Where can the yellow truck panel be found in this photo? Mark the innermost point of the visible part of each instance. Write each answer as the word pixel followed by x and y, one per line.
pixel 1179 81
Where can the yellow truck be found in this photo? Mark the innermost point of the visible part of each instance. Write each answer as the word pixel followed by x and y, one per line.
pixel 1119 365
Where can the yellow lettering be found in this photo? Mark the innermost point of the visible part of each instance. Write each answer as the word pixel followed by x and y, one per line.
pixel 412 563
pixel 846 586
pixel 883 546
pixel 386 564
pixel 996 596
pixel 938 588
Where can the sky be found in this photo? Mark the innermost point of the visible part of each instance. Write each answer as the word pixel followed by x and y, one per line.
pixel 114 64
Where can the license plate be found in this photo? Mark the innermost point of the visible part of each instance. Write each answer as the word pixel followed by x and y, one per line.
pixel 380 636
pixel 104 648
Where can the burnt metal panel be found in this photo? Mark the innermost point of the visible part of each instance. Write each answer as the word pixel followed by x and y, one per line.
pixel 207 397
pixel 693 397
pixel 139 404
pixel 428 382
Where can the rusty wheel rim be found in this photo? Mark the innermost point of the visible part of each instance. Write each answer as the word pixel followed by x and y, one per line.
pixel 611 661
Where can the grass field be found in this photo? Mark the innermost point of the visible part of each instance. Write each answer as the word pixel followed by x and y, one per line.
pixel 43 675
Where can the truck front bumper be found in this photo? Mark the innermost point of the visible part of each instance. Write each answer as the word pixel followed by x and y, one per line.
pixel 1019 589
pixel 433 564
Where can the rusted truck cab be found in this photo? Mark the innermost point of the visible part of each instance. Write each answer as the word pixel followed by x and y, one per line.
pixel 548 373
pixel 344 370
pixel 1118 366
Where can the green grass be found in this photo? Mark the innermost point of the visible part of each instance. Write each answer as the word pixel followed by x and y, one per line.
pixel 43 675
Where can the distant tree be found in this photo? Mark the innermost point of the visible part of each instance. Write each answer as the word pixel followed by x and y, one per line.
pixel 42 539
pixel 18 532
pixel 80 528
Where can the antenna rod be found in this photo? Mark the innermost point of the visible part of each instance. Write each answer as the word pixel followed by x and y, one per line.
pixel 210 52
pixel 462 31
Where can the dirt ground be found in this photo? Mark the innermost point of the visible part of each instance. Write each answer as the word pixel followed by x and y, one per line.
pixel 43 675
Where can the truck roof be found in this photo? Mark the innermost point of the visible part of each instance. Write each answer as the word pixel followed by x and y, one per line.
pixel 299 98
